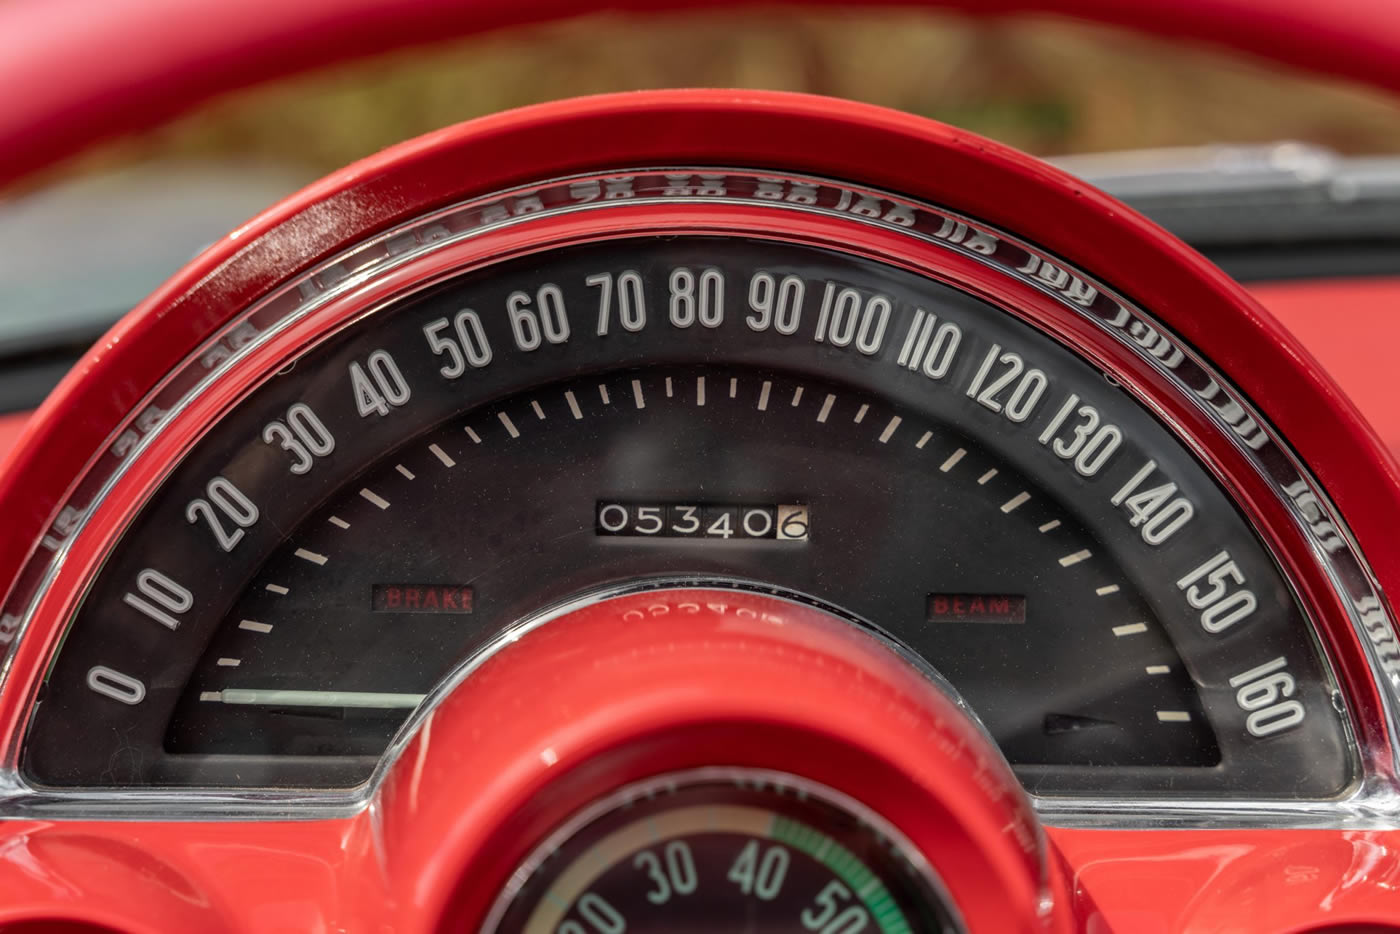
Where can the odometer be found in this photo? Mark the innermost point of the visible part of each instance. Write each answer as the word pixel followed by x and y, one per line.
pixel 745 411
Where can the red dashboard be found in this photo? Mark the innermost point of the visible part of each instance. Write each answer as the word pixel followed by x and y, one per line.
pixel 696 511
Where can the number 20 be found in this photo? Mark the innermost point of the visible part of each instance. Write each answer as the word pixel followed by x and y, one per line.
pixel 225 502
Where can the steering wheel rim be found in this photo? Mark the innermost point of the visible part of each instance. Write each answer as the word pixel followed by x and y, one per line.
pixel 225 46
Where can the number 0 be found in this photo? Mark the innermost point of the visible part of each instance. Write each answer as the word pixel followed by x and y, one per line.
pixel 117 686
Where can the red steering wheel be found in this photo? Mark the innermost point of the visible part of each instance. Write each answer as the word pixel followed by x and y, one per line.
pixel 77 91
pixel 685 679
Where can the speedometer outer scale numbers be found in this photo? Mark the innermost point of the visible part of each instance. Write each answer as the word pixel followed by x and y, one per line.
pixel 600 530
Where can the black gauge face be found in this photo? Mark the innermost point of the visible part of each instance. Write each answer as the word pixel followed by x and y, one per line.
pixel 651 484
pixel 743 411
pixel 738 855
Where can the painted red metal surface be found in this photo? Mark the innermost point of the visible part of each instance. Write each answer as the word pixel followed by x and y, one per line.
pixel 1350 326
pixel 297 877
pixel 10 427
pixel 688 678
pixel 1274 881
pixel 76 90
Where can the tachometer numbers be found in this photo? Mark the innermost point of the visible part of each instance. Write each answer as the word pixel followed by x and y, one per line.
pixel 722 522
pixel 976 608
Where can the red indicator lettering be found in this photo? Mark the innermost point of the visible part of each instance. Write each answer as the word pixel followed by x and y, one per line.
pixel 976 608
pixel 421 598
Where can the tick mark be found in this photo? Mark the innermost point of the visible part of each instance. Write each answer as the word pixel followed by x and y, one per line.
pixel 442 455
pixel 570 398
pixel 889 431
pixel 311 556
pixel 923 440
pixel 637 394
pixel 763 395
pixel 253 625
pixel 229 662
pixel 408 474
pixel 277 589
pixel 826 407
pixel 1050 526
pixel 982 480
pixel 1158 669
pixel 375 498
pixel 510 425
pixel 1129 629
pixel 699 390
pixel 1071 560
pixel 952 460
pixel 1056 724
pixel 1015 502
pixel 1105 591
pixel 603 394
pixel 1173 716
pixel 338 522
pixel 797 397
pixel 471 433
pixel 860 413
pixel 733 386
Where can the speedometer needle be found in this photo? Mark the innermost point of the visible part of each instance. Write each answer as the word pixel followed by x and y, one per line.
pixel 270 698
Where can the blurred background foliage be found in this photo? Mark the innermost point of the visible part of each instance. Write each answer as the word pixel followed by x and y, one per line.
pixel 1048 86
pixel 135 210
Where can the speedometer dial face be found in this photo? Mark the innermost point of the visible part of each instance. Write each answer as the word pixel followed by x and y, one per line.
pixel 744 411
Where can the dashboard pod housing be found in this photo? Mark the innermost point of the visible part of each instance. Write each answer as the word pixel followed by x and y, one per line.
pixel 105 394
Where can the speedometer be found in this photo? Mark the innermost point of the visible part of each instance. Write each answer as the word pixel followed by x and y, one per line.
pixel 747 411
pixel 577 527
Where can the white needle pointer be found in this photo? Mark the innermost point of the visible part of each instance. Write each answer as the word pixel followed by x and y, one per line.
pixel 313 698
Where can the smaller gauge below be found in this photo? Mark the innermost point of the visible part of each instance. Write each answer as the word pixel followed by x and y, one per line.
pixel 724 850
